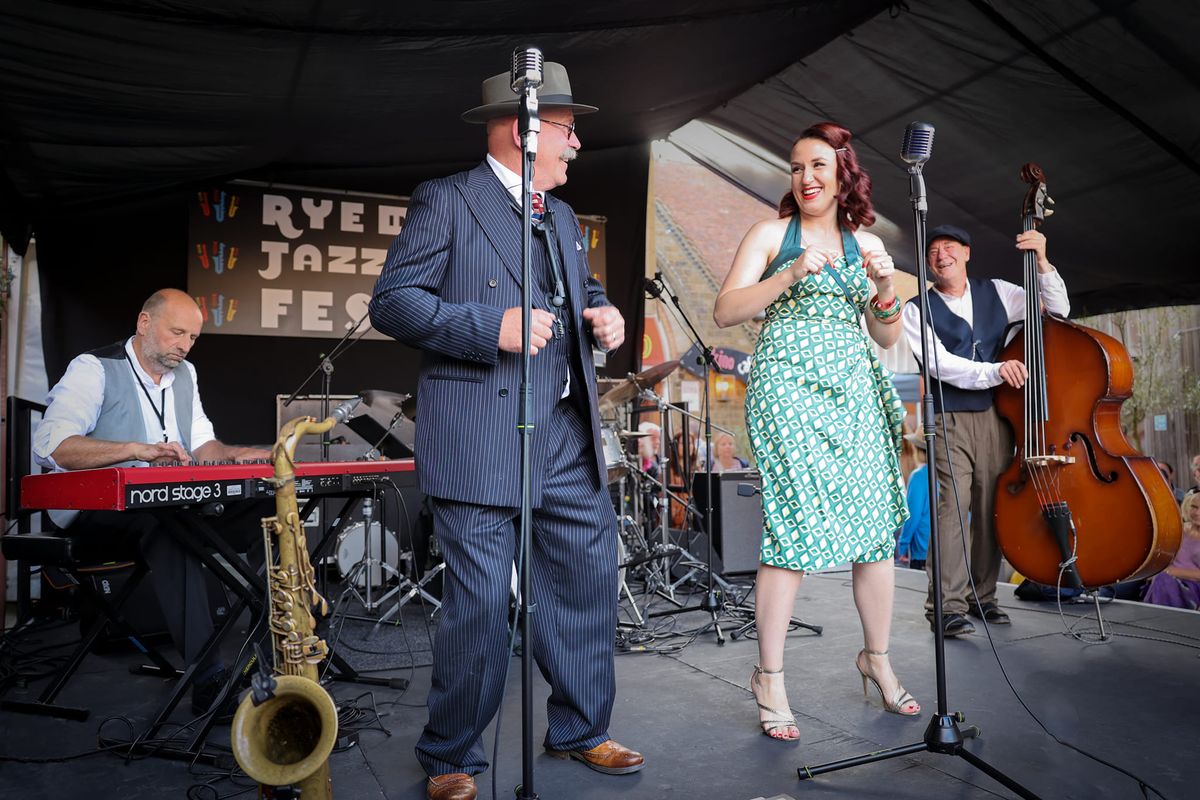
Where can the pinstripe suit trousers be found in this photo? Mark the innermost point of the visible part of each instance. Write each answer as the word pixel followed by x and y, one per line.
pixel 575 618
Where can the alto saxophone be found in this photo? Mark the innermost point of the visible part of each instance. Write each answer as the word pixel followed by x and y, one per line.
pixel 283 734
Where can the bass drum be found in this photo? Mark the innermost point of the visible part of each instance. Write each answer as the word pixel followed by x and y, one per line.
pixel 352 544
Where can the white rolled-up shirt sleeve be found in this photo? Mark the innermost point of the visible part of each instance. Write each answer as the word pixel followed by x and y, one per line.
pixel 945 366
pixel 202 427
pixel 73 408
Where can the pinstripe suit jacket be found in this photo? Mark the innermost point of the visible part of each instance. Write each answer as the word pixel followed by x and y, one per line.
pixel 450 274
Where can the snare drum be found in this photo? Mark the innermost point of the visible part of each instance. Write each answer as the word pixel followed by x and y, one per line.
pixel 614 453
pixel 350 551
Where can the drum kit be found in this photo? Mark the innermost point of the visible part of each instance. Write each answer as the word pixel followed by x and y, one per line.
pixel 648 498
pixel 649 472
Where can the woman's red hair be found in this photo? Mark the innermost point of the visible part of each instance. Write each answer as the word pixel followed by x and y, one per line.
pixel 854 184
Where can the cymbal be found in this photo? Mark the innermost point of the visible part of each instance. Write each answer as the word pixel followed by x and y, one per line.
pixel 392 402
pixel 631 434
pixel 629 387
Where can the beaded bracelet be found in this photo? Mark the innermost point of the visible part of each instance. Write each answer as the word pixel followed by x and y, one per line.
pixel 889 313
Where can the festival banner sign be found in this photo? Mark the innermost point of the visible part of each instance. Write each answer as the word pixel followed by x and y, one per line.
pixel 266 260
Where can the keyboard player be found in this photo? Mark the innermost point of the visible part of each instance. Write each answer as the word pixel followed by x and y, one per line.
pixel 134 403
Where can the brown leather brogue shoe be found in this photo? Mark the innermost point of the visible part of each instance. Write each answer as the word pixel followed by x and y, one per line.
pixel 455 786
pixel 607 757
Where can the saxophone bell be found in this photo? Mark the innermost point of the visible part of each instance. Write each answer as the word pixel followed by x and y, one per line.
pixel 287 739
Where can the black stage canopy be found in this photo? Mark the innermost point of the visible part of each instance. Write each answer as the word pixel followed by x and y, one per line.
pixel 112 113
pixel 101 102
pixel 1103 94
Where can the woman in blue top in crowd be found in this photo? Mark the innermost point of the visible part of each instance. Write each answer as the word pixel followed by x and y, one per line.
pixel 913 544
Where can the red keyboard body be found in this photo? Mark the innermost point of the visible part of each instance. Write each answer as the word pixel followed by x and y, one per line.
pixel 131 488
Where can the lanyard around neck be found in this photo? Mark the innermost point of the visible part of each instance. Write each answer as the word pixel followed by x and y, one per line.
pixel 161 413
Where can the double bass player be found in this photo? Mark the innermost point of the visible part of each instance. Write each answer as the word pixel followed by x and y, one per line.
pixel 969 318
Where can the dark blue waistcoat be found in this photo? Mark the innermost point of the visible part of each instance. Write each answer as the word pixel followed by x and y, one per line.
pixel 983 342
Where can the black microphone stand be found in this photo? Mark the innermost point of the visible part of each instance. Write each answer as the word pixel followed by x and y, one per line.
pixel 710 604
pixel 942 735
pixel 528 125
pixel 325 367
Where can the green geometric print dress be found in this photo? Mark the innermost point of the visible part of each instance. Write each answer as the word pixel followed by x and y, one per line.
pixel 825 421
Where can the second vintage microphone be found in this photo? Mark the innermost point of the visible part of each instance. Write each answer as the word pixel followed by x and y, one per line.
pixel 917 146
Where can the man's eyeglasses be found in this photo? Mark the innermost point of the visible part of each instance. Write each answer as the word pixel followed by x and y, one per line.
pixel 570 129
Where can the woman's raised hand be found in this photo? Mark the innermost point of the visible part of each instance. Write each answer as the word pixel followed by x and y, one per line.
pixel 811 262
pixel 880 268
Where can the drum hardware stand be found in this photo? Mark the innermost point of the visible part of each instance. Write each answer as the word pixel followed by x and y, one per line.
pixel 625 524
pixel 413 589
pixel 710 604
pixel 366 565
pixel 666 496
pixel 642 554
pixel 670 549
pixel 942 735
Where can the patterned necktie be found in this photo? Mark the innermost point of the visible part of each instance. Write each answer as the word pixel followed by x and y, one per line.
pixel 539 206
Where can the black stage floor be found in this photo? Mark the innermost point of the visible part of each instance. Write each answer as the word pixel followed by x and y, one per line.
pixel 1133 701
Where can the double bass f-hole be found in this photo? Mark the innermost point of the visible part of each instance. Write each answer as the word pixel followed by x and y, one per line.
pixel 1091 458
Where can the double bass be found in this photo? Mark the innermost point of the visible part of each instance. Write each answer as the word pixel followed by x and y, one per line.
pixel 1078 506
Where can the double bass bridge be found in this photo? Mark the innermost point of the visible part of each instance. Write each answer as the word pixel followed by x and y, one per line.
pixel 1048 460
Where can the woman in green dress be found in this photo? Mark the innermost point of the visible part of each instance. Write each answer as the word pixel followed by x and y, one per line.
pixel 823 418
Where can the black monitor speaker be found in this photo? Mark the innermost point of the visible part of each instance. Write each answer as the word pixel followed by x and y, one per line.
pixel 737 520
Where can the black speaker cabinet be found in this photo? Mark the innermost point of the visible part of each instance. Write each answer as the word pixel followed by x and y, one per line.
pixel 737 521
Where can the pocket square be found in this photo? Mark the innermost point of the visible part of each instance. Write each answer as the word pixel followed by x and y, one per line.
pixel 578 246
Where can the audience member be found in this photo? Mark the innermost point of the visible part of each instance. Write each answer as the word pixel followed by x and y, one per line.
pixel 649 448
pixel 726 458
pixel 1168 473
pixel 1179 584
pixel 912 546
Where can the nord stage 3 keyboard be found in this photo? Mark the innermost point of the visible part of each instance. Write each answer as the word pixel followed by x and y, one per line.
pixel 130 488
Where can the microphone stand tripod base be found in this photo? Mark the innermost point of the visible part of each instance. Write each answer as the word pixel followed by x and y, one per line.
pixel 752 624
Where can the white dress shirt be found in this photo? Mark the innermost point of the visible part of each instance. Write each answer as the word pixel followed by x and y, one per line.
pixel 73 406
pixel 963 372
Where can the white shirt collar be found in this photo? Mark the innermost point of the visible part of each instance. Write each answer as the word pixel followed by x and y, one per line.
pixel 509 179
pixel 949 298
pixel 145 377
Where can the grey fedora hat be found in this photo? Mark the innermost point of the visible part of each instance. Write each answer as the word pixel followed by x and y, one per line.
pixel 499 100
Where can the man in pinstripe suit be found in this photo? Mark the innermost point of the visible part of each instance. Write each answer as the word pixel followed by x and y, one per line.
pixel 451 287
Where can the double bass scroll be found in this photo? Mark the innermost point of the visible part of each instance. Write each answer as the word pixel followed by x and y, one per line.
pixel 1078 505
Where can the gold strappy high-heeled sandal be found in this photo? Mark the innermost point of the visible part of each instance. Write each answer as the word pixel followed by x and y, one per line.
pixel 779 721
pixel 899 699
